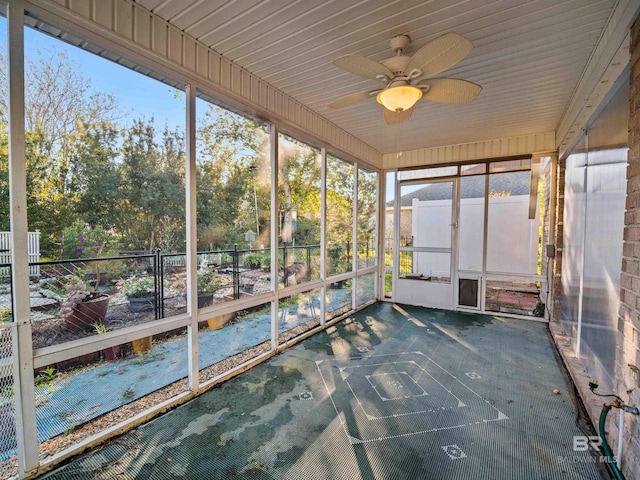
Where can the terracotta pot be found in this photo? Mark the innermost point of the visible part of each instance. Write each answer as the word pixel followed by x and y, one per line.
pixel 112 353
pixel 141 345
pixel 216 323
pixel 85 314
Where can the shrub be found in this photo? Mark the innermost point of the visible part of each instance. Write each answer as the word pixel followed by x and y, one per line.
pixel 6 315
pixel 138 287
pixel 258 259
pixel 207 281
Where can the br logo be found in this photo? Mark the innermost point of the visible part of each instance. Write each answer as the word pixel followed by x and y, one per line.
pixel 582 443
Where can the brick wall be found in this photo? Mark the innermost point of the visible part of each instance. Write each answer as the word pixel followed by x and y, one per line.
pixel 557 265
pixel 628 341
pixel 544 287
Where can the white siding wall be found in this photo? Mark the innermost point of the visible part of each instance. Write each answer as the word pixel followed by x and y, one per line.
pixel 502 147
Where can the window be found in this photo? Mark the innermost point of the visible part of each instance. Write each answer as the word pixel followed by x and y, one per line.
pixel 299 169
pixel 367 228
pixel 233 205
pixel 340 188
pixel 389 233
pixel 106 179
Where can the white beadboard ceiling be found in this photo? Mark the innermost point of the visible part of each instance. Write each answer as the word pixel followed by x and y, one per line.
pixel 529 56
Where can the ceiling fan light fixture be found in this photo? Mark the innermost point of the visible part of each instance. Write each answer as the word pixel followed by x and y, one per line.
pixel 399 98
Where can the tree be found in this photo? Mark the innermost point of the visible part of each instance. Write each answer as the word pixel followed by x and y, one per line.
pixel 367 202
pixel 233 173
pixel 95 175
pixel 299 168
pixel 151 183
pixel 339 226
pixel 58 100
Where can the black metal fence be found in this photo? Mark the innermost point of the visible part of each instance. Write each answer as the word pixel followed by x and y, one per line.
pixel 405 257
pixel 163 274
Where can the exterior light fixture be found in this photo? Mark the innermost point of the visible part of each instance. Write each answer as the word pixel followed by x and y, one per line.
pixel 399 98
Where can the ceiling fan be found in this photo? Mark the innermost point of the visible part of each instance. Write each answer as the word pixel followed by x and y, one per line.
pixel 407 79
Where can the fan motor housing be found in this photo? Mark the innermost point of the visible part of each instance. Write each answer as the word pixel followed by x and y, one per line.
pixel 397 64
pixel 400 42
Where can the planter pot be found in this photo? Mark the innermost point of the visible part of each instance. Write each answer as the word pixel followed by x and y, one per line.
pixel 216 323
pixel 112 353
pixel 85 314
pixel 247 288
pixel 205 300
pixel 142 304
pixel 141 345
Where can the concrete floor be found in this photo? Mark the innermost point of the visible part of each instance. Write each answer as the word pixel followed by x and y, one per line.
pixel 394 392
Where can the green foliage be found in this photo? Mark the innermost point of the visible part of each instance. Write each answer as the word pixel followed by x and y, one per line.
pixel 138 287
pixel 406 263
pixel 100 328
pixel 80 240
pixel 6 314
pixel 95 173
pixel 116 268
pixel 58 98
pixel 367 201
pixel 151 184
pixel 257 260
pixel 233 166
pixel 208 281
pixel 171 235
pixel 299 191
pixel 388 282
pixel 340 191
pixel 45 377
pixel 97 184
pixel 74 283
pixel 338 259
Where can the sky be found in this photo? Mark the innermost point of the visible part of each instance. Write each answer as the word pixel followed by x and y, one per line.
pixel 137 95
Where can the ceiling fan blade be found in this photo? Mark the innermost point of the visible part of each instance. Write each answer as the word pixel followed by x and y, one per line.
pixel 393 118
pixel 350 99
pixel 359 65
pixel 450 90
pixel 440 54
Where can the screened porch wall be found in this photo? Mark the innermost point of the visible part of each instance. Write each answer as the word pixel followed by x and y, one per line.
pixel 594 208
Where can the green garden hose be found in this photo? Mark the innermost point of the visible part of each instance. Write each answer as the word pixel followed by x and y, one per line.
pixel 605 445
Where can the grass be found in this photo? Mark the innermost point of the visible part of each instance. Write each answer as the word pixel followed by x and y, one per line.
pixel 388 282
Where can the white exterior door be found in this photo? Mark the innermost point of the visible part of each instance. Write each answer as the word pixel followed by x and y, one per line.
pixel 426 234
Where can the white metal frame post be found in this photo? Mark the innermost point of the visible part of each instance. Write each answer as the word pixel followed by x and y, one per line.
pixel 380 185
pixel 551 238
pixel 323 234
pixel 273 133
pixel 397 207
pixel 455 229
pixel 354 240
pixel 25 418
pixel 192 239
pixel 485 236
